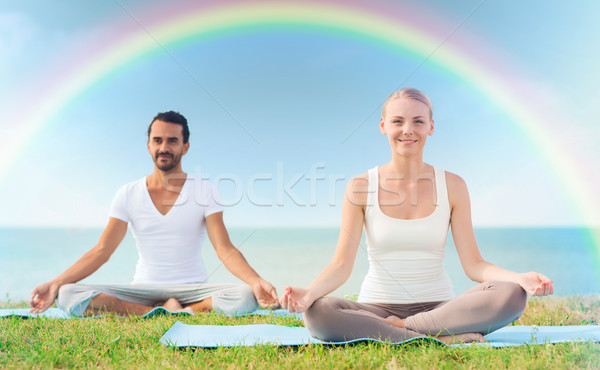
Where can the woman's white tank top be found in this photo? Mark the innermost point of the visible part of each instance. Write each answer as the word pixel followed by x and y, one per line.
pixel 406 257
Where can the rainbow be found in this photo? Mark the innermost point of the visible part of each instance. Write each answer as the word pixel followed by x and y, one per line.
pixel 369 21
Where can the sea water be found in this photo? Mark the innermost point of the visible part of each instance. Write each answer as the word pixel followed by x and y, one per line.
pixel 295 256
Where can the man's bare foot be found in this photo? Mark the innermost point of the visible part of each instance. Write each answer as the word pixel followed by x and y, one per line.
pixel 462 338
pixel 394 321
pixel 189 310
pixel 173 305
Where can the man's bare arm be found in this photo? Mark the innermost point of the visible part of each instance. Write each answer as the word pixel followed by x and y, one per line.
pixel 235 262
pixel 44 295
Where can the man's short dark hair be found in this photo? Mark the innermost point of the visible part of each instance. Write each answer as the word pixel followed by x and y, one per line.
pixel 172 117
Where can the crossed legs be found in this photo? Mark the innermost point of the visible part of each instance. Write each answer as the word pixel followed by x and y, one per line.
pixel 106 303
pixel 479 311
pixel 231 299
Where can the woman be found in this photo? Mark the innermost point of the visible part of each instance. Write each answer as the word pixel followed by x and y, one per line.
pixel 406 207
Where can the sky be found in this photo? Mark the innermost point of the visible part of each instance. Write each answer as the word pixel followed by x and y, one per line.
pixel 282 116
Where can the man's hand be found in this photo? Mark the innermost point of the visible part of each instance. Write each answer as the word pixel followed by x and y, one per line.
pixel 43 296
pixel 265 294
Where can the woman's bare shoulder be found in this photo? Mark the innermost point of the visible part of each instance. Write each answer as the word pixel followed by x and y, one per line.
pixel 357 189
pixel 457 187
pixel 453 179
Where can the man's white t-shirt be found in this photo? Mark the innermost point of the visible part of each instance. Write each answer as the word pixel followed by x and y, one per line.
pixel 168 245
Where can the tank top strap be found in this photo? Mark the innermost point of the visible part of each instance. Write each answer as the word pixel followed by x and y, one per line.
pixel 372 193
pixel 440 188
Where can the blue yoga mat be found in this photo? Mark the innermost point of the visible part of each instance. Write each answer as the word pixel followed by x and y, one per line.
pixel 56 313
pixel 182 335
pixel 52 312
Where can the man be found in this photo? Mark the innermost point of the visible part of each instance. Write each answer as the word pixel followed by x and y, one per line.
pixel 170 212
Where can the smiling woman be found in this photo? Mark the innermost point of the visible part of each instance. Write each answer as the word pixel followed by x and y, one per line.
pixel 408 131
pixel 407 292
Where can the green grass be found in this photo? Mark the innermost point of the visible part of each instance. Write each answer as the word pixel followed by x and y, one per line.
pixel 133 342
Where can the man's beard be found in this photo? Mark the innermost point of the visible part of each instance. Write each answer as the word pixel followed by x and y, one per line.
pixel 175 159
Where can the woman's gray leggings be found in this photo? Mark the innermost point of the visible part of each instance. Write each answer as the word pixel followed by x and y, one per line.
pixel 481 309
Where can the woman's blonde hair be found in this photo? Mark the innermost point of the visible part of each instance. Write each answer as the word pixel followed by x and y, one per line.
pixel 409 93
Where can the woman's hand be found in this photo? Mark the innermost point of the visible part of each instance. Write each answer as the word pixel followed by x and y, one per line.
pixel 535 283
pixel 296 299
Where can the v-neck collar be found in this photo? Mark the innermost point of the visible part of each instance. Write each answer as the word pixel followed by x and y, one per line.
pixel 182 193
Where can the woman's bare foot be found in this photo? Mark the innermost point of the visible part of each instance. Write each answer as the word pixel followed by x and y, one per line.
pixel 448 339
pixel 462 338
pixel 394 321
